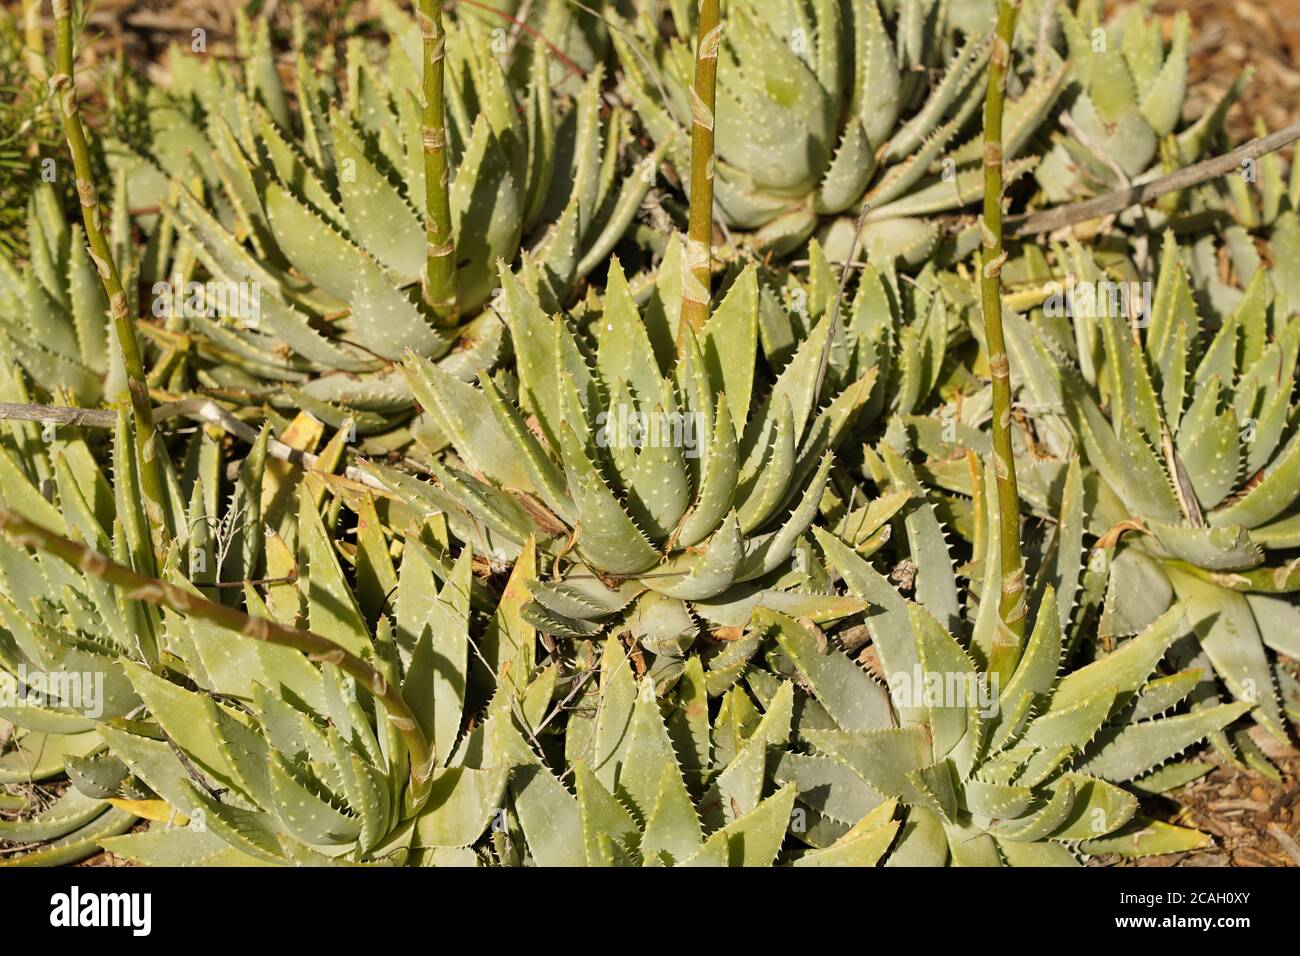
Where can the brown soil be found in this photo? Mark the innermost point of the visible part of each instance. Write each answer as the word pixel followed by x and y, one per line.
pixel 1229 36
pixel 1255 821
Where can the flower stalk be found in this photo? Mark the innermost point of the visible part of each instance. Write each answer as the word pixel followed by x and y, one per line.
pixel 697 279
pixel 63 85
pixel 1012 609
pixel 439 281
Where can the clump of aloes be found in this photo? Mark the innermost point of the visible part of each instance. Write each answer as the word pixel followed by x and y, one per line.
pixel 1024 780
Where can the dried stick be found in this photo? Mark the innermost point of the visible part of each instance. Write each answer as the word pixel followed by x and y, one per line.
pixel 199 409
pixel 1050 220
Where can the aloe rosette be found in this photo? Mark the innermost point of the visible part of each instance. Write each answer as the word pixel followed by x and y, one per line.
pixel 823 106
pixel 654 780
pixel 1260 202
pixel 907 328
pixel 236 751
pixel 663 485
pixel 1126 118
pixel 53 311
pixel 316 215
pixel 1187 420
pixel 1027 767
pixel 63 636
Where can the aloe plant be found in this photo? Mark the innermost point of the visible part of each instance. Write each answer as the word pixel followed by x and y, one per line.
pixel 823 106
pixel 283 762
pixel 53 311
pixel 658 495
pixel 74 609
pixel 995 758
pixel 908 328
pixel 641 588
pixel 1031 765
pixel 242 750
pixel 75 617
pixel 658 782
pixel 1262 201
pixel 322 214
pixel 63 635
pixel 204 760
pixel 1191 432
pixel 68 829
pixel 1024 771
pixel 1128 112
pixel 1264 196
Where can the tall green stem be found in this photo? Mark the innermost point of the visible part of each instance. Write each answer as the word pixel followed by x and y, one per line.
pixel 1012 609
pixel 440 266
pixel 64 85
pixel 699 237
pixel 139 587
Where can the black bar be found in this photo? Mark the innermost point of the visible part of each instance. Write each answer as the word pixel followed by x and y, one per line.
pixel 326 906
